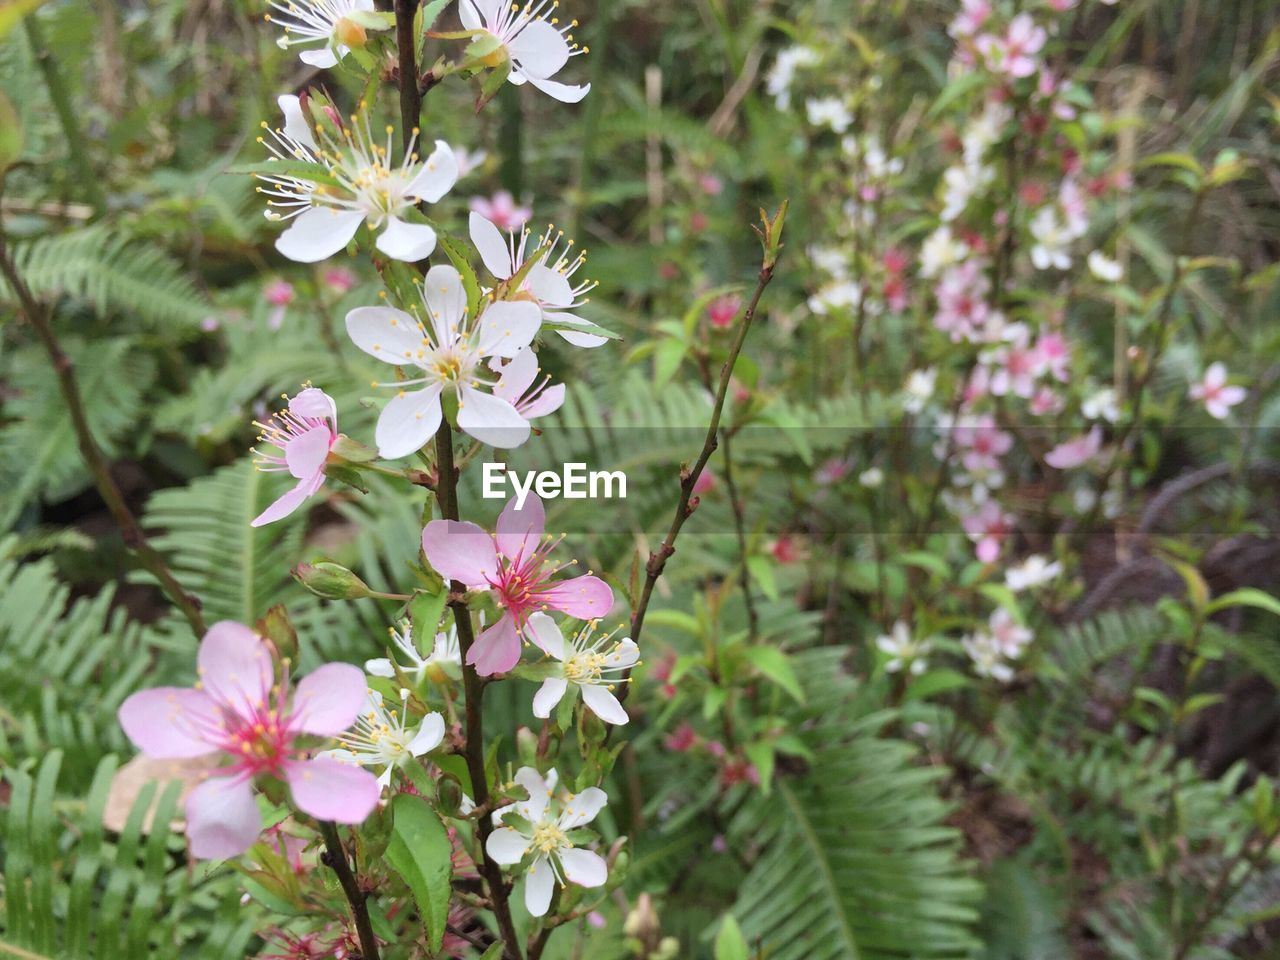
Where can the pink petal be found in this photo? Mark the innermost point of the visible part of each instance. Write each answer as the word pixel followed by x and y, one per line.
pixel 549 401
pixel 222 818
pixel 235 667
pixel 305 454
pixel 519 530
pixel 329 789
pixel 315 403
pixel 170 723
pixel 289 501
pixel 496 650
pixel 988 549
pixel 586 598
pixel 460 551
pixel 328 700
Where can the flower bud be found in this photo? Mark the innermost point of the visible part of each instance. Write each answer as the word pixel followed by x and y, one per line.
pixel 277 628
pixel 331 581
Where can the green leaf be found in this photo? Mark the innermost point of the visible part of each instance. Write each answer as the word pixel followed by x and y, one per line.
pixel 429 14
pixel 494 952
pixel 1183 161
pixel 297 169
pixel 730 943
pixel 937 681
pixel 1245 597
pixel 420 852
pixel 773 663
pixel 10 134
pixel 761 568
pixel 579 325
pixel 11 11
pixel 425 610
pixel 458 258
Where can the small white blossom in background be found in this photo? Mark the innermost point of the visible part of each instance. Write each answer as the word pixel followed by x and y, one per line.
pixel 369 189
pixel 830 112
pixel 987 659
pixel 783 74
pixel 919 389
pixel 1010 636
pixel 556 860
pixel 1101 405
pixel 903 650
pixel 1052 240
pixel 1035 571
pixel 592 664
pixel 834 296
pixel 1104 268
pixel 384 739
pixel 871 478
pixel 941 250
pixel 1215 393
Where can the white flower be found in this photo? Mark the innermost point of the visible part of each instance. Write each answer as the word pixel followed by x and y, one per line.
pixel 448 352
pixel 1035 571
pixel 369 189
pixel 903 650
pixel 468 161
pixel 832 260
pixel 321 21
pixel 986 656
pixel 536 44
pixel 446 655
pixel 1101 405
pixel 383 739
pixel 941 250
pixel 1052 240
pixel 1104 268
pixel 837 295
pixel 1010 637
pixel 549 282
pixel 783 73
pixel 871 478
pixel 555 858
pixel 960 184
pixel 919 389
pixel 829 112
pixel 587 662
pixel 983 131
pixel 1215 393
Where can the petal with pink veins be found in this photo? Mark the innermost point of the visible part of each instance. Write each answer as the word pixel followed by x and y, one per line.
pixel 289 501
pixel 328 700
pixel 585 598
pixel 460 551
pixel 496 650
pixel 305 453
pixel 329 789
pixel 171 723
pixel 235 667
pixel 520 528
pixel 222 818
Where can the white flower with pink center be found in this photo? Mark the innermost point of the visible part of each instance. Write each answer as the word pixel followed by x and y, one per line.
pixel 448 352
pixel 549 282
pixel 1015 365
pixel 548 820
pixel 519 385
pixel 1010 636
pixel 515 566
pixel 536 44
pixel 987 526
pixel 368 188
pixel 303 433
pixel 981 443
pixel 241 710
pixel 594 664
pixel 973 14
pixel 1215 393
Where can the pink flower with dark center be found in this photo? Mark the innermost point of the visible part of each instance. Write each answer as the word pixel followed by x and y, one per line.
pixel 239 709
pixel 722 311
pixel 1016 366
pixel 279 294
pixel 987 527
pixel 304 433
pixel 1215 393
pixel 502 210
pixel 514 565
pixel 339 279
pixel 973 14
pixel 962 306
pixel 1055 352
pixel 1014 54
pixel 1075 452
pixel 982 443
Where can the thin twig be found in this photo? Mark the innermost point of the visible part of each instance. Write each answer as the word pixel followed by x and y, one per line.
pixel 410 97
pixel 740 526
pixel 90 452
pixel 336 857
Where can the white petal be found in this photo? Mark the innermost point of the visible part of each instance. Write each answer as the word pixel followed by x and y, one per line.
pixel 438 175
pixel 408 422
pixel 626 654
pixel 548 695
pixel 386 333
pixel 516 376
pixel 507 327
pixel 409 242
pixel 296 127
pixel 549 401
pixel 559 91
pixel 446 301
pixel 429 735
pixel 318 234
pixel 538 887
pixel 583 808
pixel 471 15
pixel 539 50
pixel 323 58
pixel 506 846
pixel 546 634
pixel 379 668
pixel 539 792
pixel 604 704
pixel 584 868
pixel 491 420
pixel 551 288
pixel 495 253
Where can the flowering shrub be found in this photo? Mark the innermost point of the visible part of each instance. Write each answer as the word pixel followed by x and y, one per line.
pixel 921 598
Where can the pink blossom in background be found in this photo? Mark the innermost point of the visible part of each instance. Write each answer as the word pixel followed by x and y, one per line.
pixel 681 740
pixel 973 14
pixel 1045 401
pixel 516 385
pixel 1075 452
pixel 987 526
pixel 304 433
pixel 1055 352
pixel 502 210
pixel 1015 365
pixel 278 294
pixel 830 472
pixel 514 564
pixel 1014 53
pixel 339 279
pixel 722 311
pixel 710 184
pixel 1215 393
pixel 705 483
pixel 698 221
pixel 981 443
pixel 1010 636
pixel 241 711
pixel 961 294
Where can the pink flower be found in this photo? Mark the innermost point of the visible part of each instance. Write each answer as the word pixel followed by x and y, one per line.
pixel 710 184
pixel 987 527
pixel 961 293
pixel 339 279
pixel 1009 635
pixel 982 443
pixel 722 310
pixel 1055 352
pixel 516 386
pixel 239 709
pixel 1044 402
pixel 502 211
pixel 1218 397
pixel 973 14
pixel 1076 451
pixel 304 434
pixel 1014 54
pixel 514 565
pixel 706 482
pixel 1016 366
pixel 681 740
pixel 278 293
